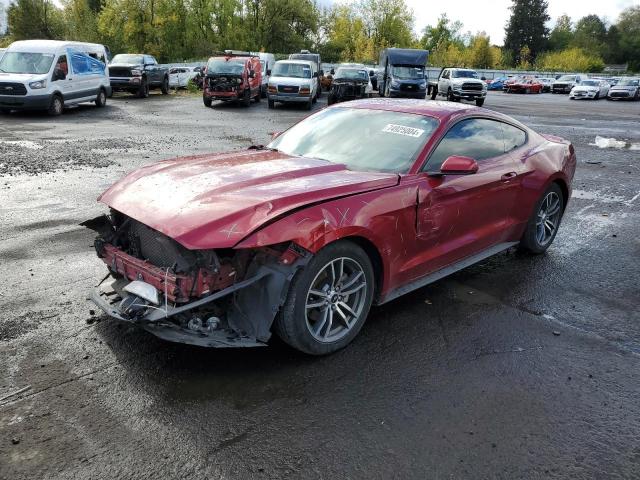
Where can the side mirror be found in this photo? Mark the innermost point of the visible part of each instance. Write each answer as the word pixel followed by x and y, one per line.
pixel 269 73
pixel 320 73
pixel 332 72
pixel 58 74
pixel 315 74
pixel 275 135
pixel 252 73
pixel 458 165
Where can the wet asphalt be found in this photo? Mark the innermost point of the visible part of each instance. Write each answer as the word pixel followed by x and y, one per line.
pixel 519 367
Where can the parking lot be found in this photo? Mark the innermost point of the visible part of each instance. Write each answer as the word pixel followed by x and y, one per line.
pixel 519 367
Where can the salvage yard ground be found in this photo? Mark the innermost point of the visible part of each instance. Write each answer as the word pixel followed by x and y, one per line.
pixel 520 367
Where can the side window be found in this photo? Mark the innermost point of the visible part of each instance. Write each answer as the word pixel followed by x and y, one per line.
pixel 61 66
pixel 513 137
pixel 151 60
pixel 445 74
pixel 477 138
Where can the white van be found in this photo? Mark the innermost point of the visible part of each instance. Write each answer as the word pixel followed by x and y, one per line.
pixel 267 60
pixel 50 74
pixel 293 81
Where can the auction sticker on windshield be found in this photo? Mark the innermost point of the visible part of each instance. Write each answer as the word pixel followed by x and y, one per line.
pixel 402 130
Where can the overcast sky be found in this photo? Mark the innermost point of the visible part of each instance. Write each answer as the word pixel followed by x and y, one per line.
pixel 491 15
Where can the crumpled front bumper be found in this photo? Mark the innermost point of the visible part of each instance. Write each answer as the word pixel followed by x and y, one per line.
pixel 157 319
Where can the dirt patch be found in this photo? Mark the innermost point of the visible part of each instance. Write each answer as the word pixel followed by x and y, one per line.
pixel 49 155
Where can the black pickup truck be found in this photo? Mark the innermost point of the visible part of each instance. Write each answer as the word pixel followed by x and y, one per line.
pixel 137 74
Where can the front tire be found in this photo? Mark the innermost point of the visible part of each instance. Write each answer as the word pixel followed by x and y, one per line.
pixel 56 106
pixel 143 91
pixel 479 102
pixel 544 222
pixel 271 103
pixel 246 98
pixel 164 88
pixel 328 301
pixel 206 101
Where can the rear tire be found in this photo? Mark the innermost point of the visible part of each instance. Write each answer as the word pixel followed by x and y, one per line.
pixel 434 94
pixel 339 267
pixel 101 99
pixel 544 222
pixel 56 106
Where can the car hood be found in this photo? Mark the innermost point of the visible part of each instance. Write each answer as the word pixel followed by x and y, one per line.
pixel 214 201
pixel 22 77
pixel 466 80
pixel 291 81
pixel 125 65
pixel 623 88
pixel 584 88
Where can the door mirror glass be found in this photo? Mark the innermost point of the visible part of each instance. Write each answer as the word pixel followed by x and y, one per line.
pixel 269 73
pixel 321 73
pixel 332 72
pixel 315 74
pixel 458 165
pixel 252 73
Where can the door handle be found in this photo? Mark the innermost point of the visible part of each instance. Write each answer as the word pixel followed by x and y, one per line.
pixel 508 176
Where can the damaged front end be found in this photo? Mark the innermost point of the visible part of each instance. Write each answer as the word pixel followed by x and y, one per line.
pixel 215 298
pixel 343 90
pixel 223 87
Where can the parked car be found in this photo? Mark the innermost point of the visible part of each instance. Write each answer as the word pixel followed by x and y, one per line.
pixel 50 75
pixel 590 88
pixel 138 73
pixel 546 84
pixel 233 77
pixel 525 85
pixel 267 61
pixel 306 55
pixel 496 83
pixel 355 205
pixel 625 89
pixel 293 81
pixel 565 83
pixel 350 83
pixel 402 73
pixel 459 84
pixel 179 77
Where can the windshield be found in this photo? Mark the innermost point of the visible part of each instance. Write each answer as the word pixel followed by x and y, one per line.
pixel 408 73
pixel 23 62
pixel 361 139
pixel 352 74
pixel 291 70
pixel 126 58
pixel 590 83
pixel 225 67
pixel 629 83
pixel 567 78
pixel 464 74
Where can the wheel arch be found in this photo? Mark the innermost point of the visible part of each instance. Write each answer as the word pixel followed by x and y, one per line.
pixel 374 256
pixel 564 188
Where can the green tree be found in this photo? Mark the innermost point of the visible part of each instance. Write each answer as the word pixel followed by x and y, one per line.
pixel 570 60
pixel 29 19
pixel 590 35
pixel 527 28
pixel 561 34
pixel 441 35
pixel 629 33
pixel 389 23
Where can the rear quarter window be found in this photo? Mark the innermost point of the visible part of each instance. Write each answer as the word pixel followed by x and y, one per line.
pixel 513 137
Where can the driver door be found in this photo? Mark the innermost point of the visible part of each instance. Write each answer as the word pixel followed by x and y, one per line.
pixel 461 215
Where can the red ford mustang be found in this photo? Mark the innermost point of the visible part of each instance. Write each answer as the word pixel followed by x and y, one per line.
pixel 353 206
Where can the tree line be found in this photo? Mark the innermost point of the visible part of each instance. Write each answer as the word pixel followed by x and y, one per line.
pixel 179 30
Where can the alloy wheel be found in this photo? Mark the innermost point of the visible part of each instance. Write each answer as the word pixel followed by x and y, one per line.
pixel 548 218
pixel 336 299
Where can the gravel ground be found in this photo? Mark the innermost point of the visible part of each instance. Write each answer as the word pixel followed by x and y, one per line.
pixel 518 367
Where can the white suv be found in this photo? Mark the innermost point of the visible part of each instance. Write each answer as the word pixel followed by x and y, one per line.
pixel 293 81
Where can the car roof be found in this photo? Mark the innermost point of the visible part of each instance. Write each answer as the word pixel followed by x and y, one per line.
pixel 301 62
pixel 49 46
